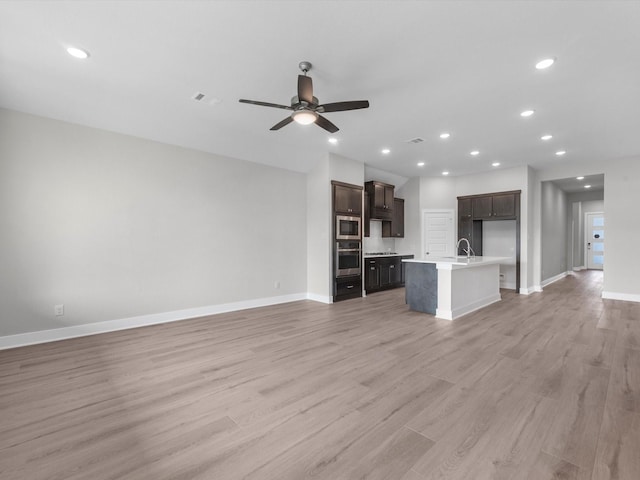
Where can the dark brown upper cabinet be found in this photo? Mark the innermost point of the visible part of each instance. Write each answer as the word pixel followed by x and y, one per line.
pixel 381 199
pixel 395 228
pixel 347 199
pixel 494 207
pixel 366 229
pixel 504 206
pixel 464 208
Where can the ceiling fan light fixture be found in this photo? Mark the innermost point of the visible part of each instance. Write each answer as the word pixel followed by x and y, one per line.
pixel 304 117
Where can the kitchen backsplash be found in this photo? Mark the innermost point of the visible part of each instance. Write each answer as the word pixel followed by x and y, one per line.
pixel 375 242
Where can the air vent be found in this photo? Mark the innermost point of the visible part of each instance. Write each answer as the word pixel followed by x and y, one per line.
pixel 416 140
pixel 198 96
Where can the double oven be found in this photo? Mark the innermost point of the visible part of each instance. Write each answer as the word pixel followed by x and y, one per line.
pixel 348 246
pixel 348 258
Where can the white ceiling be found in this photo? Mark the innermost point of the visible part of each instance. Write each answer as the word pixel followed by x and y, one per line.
pixel 426 67
pixel 573 185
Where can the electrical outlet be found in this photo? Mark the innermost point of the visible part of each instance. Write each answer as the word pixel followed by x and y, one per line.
pixel 276 284
pixel 58 310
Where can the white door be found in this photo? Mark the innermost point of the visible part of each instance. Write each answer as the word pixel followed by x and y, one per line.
pixel 595 240
pixel 437 233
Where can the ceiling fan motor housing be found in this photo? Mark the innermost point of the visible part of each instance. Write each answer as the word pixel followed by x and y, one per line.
pixel 297 104
pixel 305 66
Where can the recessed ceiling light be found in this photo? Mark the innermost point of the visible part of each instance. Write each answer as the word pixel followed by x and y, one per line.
pixel 421 164
pixel 527 113
pixel 587 186
pixel 386 151
pixel 546 63
pixel 445 135
pixel 77 52
pixel 495 164
pixel 474 153
pixel 445 173
pixel 333 140
pixel 546 137
pixel 560 153
pixel 579 178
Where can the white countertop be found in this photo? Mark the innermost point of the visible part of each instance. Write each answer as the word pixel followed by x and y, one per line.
pixel 462 261
pixel 369 255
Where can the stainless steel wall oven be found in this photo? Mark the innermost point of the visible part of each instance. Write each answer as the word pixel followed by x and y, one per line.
pixel 348 258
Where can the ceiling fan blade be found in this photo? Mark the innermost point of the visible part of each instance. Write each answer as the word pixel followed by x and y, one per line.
pixel 326 124
pixel 342 106
pixel 281 124
pixel 305 89
pixel 265 104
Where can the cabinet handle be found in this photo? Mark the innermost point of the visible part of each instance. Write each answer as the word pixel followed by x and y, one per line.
pixel 349 286
pixel 373 268
pixel 393 266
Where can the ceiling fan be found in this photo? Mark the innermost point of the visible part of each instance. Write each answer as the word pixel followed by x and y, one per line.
pixel 306 108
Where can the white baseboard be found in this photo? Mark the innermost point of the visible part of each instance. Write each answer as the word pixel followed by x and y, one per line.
pixel 508 285
pixel 44 336
pixel 530 290
pixel 627 297
pixel 320 298
pixel 555 278
pixel 581 267
pixel 466 309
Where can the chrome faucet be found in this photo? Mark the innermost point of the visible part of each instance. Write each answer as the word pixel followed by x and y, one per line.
pixel 468 250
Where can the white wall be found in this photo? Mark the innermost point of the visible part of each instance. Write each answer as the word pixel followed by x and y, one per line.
pixel 410 244
pixel 622 195
pixel 376 242
pixel 438 193
pixel 375 174
pixel 553 231
pixel 343 169
pixel 499 240
pixel 319 242
pixel 320 216
pixel 114 226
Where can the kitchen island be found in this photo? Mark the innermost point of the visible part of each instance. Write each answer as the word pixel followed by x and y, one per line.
pixel 450 287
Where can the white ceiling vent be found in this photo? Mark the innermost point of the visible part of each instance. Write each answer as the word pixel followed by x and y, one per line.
pixel 198 96
pixel 416 140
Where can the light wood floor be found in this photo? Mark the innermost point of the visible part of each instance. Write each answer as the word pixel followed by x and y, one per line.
pixel 537 387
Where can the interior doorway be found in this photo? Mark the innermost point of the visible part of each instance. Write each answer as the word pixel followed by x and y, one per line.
pixel 594 237
pixel 437 233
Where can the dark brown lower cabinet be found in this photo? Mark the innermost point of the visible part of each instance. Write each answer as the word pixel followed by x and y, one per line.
pixel 382 273
pixel 347 287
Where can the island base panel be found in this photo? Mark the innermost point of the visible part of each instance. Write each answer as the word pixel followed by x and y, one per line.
pixel 421 287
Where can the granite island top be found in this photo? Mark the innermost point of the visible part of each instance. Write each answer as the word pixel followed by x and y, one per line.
pixel 460 261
